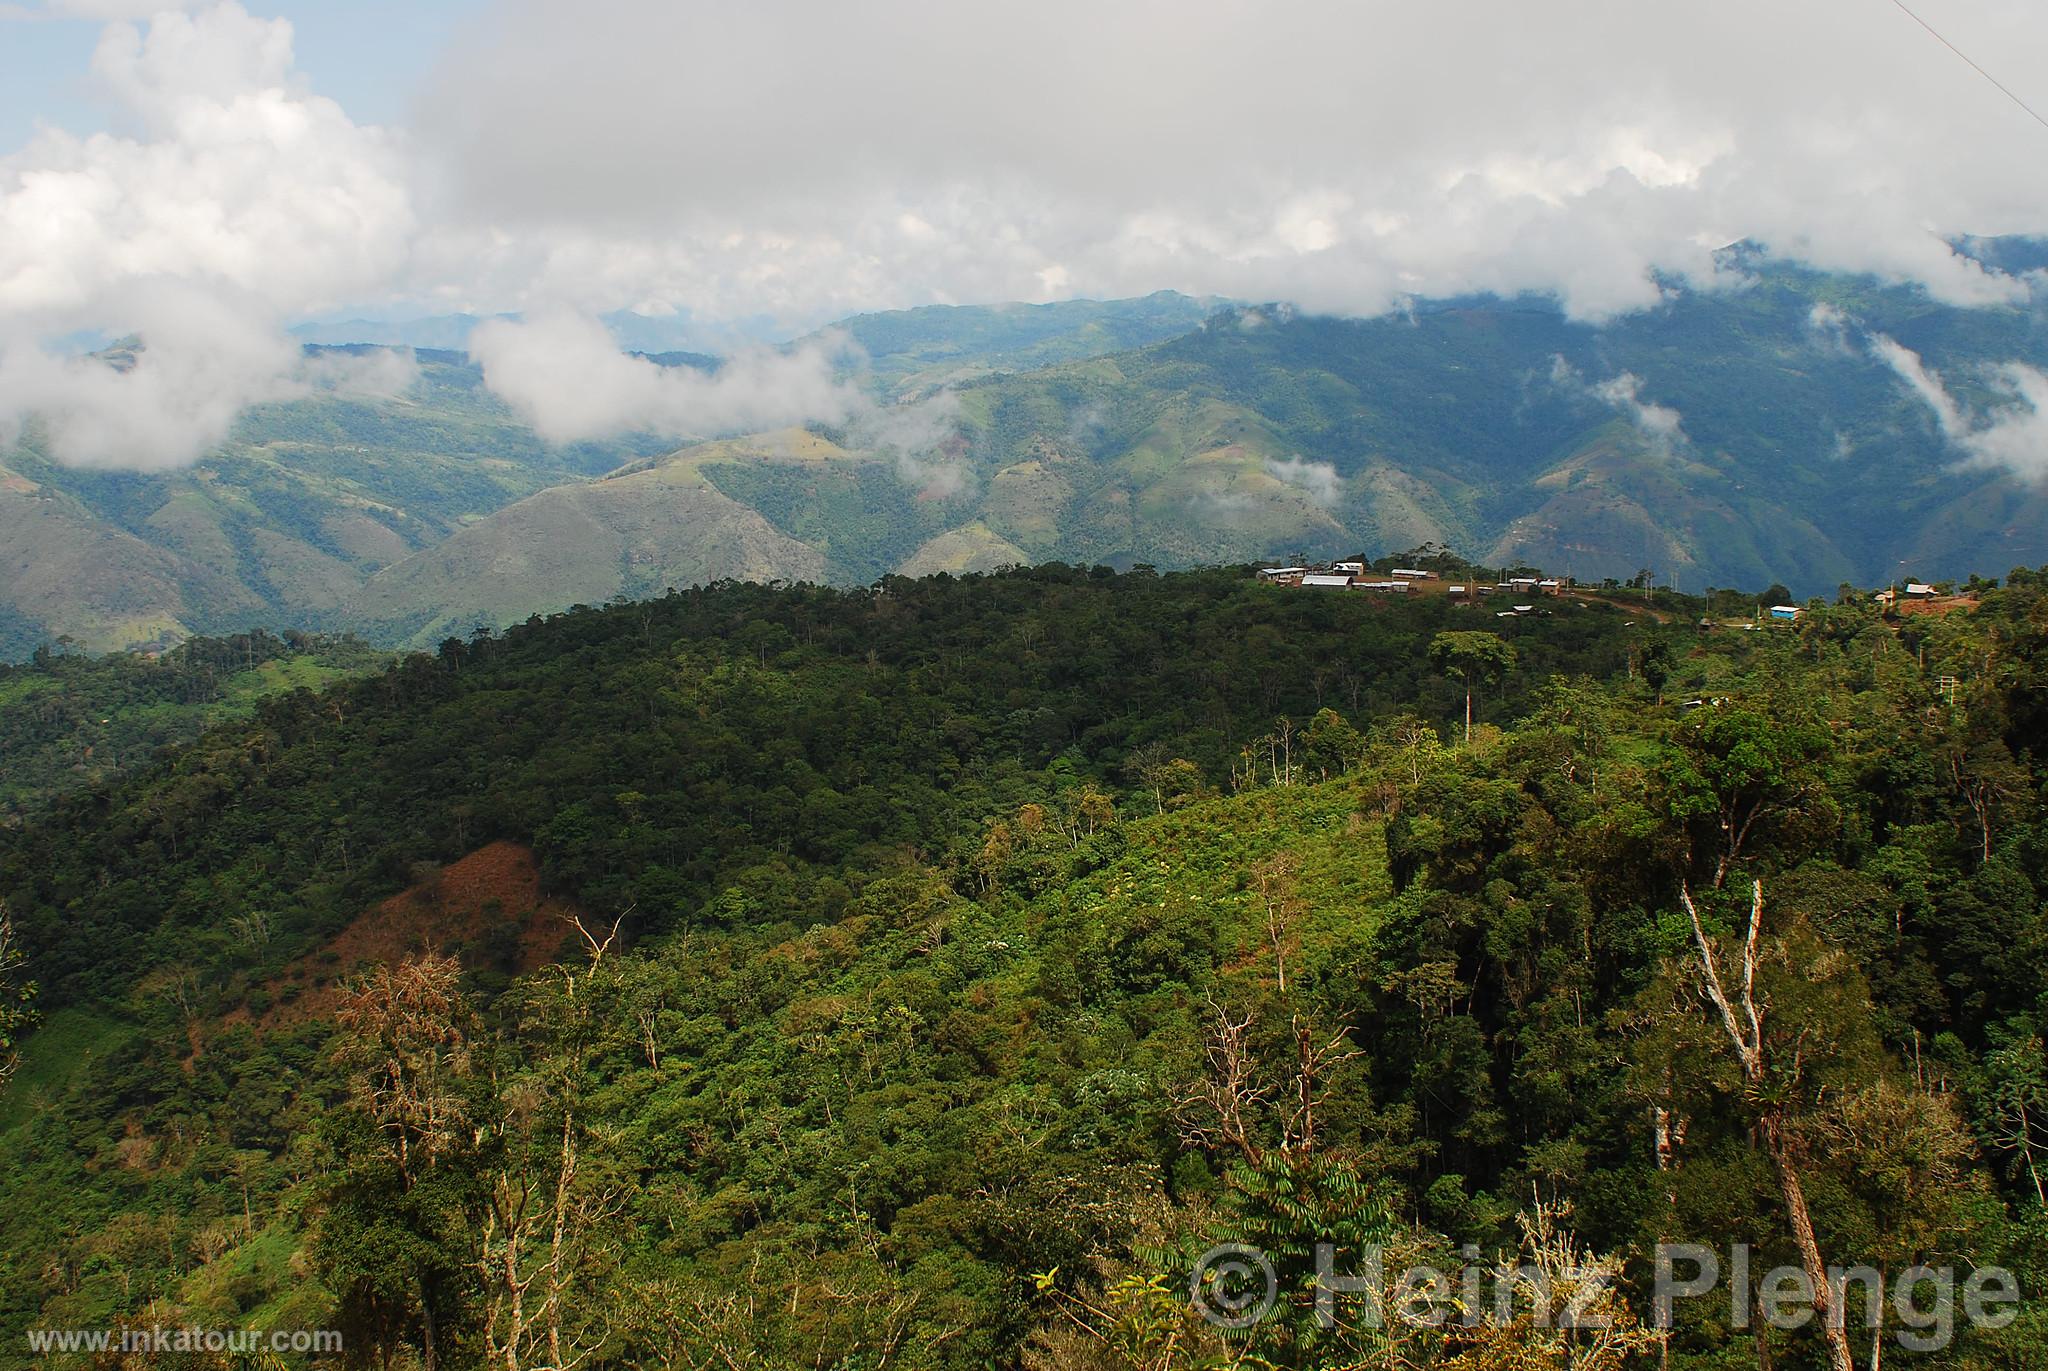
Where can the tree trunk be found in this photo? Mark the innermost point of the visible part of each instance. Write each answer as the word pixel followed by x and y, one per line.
pixel 1801 1220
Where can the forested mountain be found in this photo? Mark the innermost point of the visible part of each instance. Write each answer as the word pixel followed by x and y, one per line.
pixel 281 527
pixel 71 720
pixel 1791 427
pixel 1767 432
pixel 921 975
pixel 275 529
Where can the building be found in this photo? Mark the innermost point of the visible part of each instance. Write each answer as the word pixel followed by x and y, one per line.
pixel 1919 591
pixel 1355 568
pixel 1382 587
pixel 1409 573
pixel 1327 580
pixel 1786 613
pixel 1282 573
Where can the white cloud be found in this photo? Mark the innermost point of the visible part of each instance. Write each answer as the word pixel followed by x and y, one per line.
pixel 1661 425
pixel 237 201
pixel 203 363
pixel 1317 480
pixel 1909 368
pixel 2012 434
pixel 1339 153
pixel 176 393
pixel 1830 328
pixel 921 439
pixel 564 375
pixel 773 165
pixel 375 374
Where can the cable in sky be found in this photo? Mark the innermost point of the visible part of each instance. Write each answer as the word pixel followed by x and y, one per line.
pixel 1973 63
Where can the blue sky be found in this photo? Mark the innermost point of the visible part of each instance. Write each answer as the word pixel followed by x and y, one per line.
pixel 371 55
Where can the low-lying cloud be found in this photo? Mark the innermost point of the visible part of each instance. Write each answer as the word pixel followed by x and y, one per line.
pixel 2012 433
pixel 563 374
pixel 231 200
pixel 921 441
pixel 1319 481
pixel 1347 156
pixel 369 374
pixel 1660 425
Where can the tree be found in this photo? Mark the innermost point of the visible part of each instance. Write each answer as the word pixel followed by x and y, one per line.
pixel 1739 768
pixel 2012 1101
pixel 1331 745
pixel 1471 656
pixel 1989 781
pixel 408 1042
pixel 394 1242
pixel 1743 1015
pixel 16 997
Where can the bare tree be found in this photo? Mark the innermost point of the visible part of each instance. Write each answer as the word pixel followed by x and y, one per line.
pixel 537 1233
pixel 1219 1108
pixel 16 1017
pixel 1236 1102
pixel 407 1042
pixel 1743 1015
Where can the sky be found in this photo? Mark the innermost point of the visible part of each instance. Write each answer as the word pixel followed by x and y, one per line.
pixel 207 175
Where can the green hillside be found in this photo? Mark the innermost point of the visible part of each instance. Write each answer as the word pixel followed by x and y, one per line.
pixel 1727 438
pixel 72 721
pixel 288 522
pixel 922 976
pixel 1732 437
pixel 918 351
pixel 279 526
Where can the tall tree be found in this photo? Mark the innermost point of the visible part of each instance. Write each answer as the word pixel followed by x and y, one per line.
pixel 1743 1014
pixel 1473 657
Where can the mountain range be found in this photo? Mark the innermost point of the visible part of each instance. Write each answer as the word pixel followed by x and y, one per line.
pixel 1793 426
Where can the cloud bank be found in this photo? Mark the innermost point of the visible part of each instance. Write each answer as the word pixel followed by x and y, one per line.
pixel 1660 425
pixel 2012 432
pixel 564 375
pixel 770 166
pixel 235 200
pixel 1317 480
pixel 1337 153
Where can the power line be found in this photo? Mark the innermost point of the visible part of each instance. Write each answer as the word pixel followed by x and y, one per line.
pixel 2007 90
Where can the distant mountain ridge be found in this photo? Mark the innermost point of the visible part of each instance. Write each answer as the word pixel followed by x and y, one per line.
pixel 1769 432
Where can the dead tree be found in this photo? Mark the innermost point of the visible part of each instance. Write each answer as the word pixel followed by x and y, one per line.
pixel 535 1240
pixel 1743 1017
pixel 409 1052
pixel 1225 1107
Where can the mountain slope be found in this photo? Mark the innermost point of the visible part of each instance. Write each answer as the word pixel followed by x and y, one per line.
pixel 1726 438
pixel 630 535
pixel 281 524
pixel 939 967
pixel 1773 431
pixel 286 523
pixel 916 351
pixel 1737 437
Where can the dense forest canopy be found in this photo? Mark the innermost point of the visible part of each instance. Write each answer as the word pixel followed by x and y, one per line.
pixel 922 975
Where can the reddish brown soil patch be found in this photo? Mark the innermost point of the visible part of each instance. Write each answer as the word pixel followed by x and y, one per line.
pixel 486 908
pixel 1938 604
